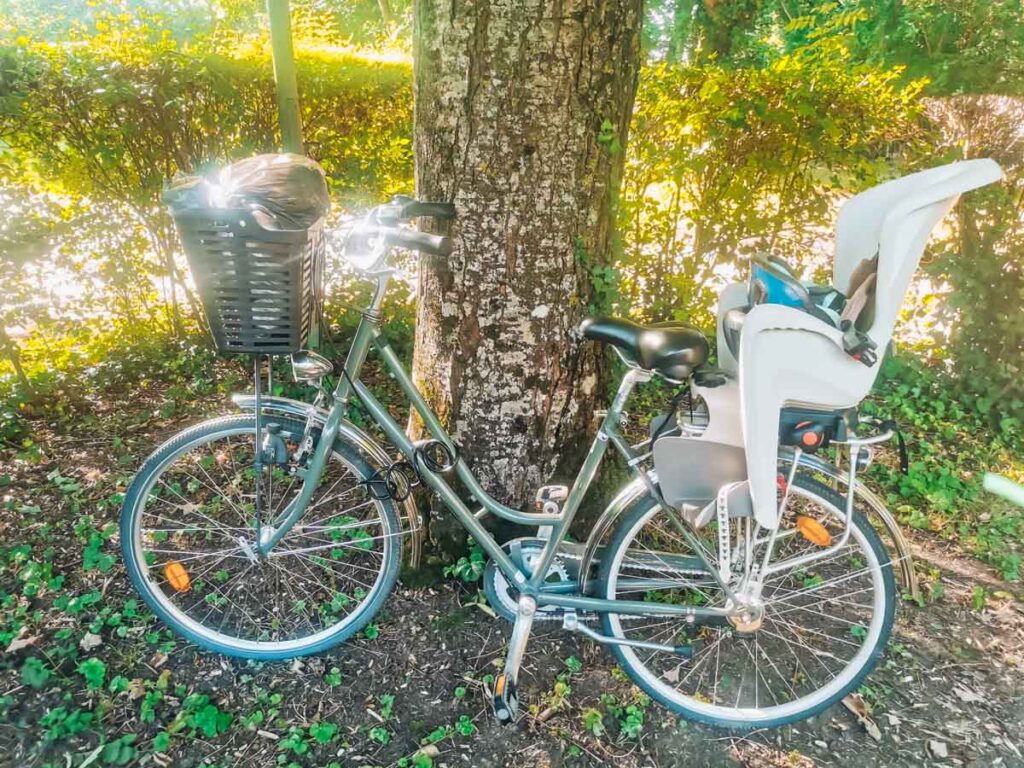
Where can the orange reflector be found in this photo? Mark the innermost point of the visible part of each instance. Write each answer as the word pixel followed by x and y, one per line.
pixel 177 576
pixel 813 531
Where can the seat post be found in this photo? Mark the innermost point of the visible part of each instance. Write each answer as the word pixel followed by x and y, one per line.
pixel 633 377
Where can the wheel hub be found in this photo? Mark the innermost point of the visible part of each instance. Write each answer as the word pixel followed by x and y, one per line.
pixel 748 611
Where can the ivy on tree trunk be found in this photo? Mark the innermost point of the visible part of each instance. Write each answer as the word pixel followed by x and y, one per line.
pixel 521 114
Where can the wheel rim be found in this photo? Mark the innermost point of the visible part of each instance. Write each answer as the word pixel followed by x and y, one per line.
pixel 784 669
pixel 314 584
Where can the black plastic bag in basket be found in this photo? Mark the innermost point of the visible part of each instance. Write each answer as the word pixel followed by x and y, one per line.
pixel 283 191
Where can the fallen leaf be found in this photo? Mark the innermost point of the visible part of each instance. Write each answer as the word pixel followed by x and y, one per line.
pixel 90 641
pixel 966 695
pixel 91 758
pixel 938 749
pixel 21 641
pixel 856 704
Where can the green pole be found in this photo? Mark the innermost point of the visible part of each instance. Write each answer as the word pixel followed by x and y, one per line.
pixel 284 76
pixel 288 115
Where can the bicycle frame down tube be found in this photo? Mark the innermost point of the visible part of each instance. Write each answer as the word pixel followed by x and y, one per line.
pixel 437 431
pixel 451 499
pixel 559 523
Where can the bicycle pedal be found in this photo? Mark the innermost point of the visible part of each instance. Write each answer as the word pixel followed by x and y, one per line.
pixel 506 703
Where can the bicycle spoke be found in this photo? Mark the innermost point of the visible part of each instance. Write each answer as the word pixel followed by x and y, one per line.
pixel 827 610
pixel 206 567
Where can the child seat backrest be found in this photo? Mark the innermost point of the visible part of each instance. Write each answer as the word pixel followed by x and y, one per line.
pixel 894 221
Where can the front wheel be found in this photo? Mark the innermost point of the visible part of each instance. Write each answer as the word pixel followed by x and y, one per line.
pixel 823 628
pixel 188 535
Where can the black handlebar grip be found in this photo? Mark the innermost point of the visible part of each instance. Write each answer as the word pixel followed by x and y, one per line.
pixel 435 210
pixel 421 241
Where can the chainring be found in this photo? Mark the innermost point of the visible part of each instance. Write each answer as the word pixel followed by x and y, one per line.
pixel 503 597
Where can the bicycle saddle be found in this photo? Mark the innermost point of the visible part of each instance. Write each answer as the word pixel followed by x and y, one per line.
pixel 672 349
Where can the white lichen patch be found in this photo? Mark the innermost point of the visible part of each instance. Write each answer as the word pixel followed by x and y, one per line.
pixel 541 311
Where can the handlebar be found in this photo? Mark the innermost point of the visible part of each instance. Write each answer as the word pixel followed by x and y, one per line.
pixel 368 244
pixel 404 208
pixel 415 208
pixel 417 241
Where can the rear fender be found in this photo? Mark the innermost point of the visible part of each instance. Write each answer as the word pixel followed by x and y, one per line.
pixel 637 490
pixel 623 500
pixel 904 557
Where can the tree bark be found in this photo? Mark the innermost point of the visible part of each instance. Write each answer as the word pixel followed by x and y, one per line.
pixel 521 114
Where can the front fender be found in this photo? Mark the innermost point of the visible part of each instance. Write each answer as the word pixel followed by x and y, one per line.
pixel 373 450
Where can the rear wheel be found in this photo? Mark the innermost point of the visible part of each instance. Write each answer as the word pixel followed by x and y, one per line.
pixel 188 535
pixel 823 629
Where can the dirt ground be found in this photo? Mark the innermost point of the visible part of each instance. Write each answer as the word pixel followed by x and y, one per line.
pixel 950 690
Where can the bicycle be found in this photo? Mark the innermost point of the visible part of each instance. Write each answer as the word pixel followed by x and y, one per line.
pixel 277 533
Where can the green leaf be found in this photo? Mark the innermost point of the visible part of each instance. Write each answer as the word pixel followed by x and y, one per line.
pixel 465 726
pixel 34 672
pixel 211 721
pixel 593 721
pixel 161 741
pixel 94 671
pixel 120 751
pixel 323 733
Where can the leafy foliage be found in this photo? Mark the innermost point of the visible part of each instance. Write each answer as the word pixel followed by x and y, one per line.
pixel 727 161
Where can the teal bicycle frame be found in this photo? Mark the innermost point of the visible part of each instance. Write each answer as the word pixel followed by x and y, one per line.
pixel 532 583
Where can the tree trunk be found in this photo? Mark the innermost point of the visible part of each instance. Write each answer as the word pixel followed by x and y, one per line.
pixel 521 113
pixel 385 14
pixel 10 349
